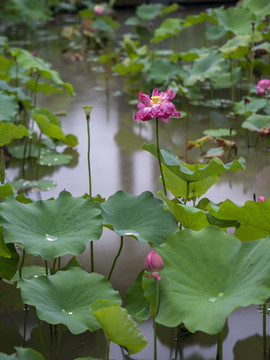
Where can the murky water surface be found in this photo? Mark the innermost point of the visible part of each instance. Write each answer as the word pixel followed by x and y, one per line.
pixel 118 162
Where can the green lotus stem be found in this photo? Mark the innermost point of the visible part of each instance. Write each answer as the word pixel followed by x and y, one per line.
pixel 35 90
pixel 194 199
pixel 159 159
pixel 90 186
pixel 40 335
pixel 46 267
pixel 38 157
pixel 108 349
pixel 59 263
pixel 155 324
pixel 252 60
pixel 59 341
pixel 187 194
pixel 54 263
pixel 264 328
pixel 22 262
pixel 116 257
pixel 231 71
pixel 220 343
pixel 2 161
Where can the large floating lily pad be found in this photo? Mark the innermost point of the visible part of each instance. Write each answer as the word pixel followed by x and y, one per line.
pixel 52 228
pixel 201 171
pixel 207 275
pixel 254 218
pixel 139 216
pixel 119 326
pixel 65 298
pixel 38 185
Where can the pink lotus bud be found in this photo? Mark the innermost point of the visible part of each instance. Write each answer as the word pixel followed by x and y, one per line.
pixel 154 263
pixel 261 199
pixel 34 53
pixel 263 87
pixel 98 10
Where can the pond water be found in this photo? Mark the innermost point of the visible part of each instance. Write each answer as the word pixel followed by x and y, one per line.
pixel 117 162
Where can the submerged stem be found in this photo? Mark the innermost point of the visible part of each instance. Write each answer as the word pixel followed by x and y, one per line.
pixel 264 328
pixel 40 335
pixel 116 257
pixel 159 159
pixel 59 341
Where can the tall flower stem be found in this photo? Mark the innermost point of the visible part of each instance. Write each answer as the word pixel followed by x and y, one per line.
pixel 159 159
pixel 117 256
pixel 59 341
pixel 22 262
pixel 155 324
pixel 187 193
pixel 108 349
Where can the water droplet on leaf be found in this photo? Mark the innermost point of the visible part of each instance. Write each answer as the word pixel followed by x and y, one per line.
pixel 50 238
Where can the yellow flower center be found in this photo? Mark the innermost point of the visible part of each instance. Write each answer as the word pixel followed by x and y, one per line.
pixel 156 99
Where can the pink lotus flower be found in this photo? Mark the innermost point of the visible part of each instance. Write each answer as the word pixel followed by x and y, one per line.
pixel 263 87
pixel 98 10
pixel 154 263
pixel 261 199
pixel 158 106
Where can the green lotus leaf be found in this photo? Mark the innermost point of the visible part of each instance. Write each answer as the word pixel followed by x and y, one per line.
pixel 168 28
pixel 198 19
pixel 178 186
pixel 207 275
pixel 254 105
pixel 44 87
pixel 214 152
pixel 237 47
pixel 17 151
pixel 66 297
pixel 219 132
pixel 225 79
pixel 188 216
pixel 163 69
pixel 6 190
pixel 26 60
pixel 149 12
pixel 9 107
pixel 260 8
pixel 29 272
pixel 139 216
pixel 191 173
pixel 229 19
pixel 254 218
pixel 40 185
pixel 48 128
pixel 102 25
pixel 51 228
pixel 49 115
pixel 5 65
pixel 87 358
pixel 255 122
pixel 23 354
pixel 119 328
pixel 4 252
pixel 205 67
pixel 8 265
pixel 52 158
pixel 215 32
pixel 19 94
pixel 133 21
pixel 190 55
pixel 9 131
pixel 135 301
pixel 32 10
pixel 124 69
